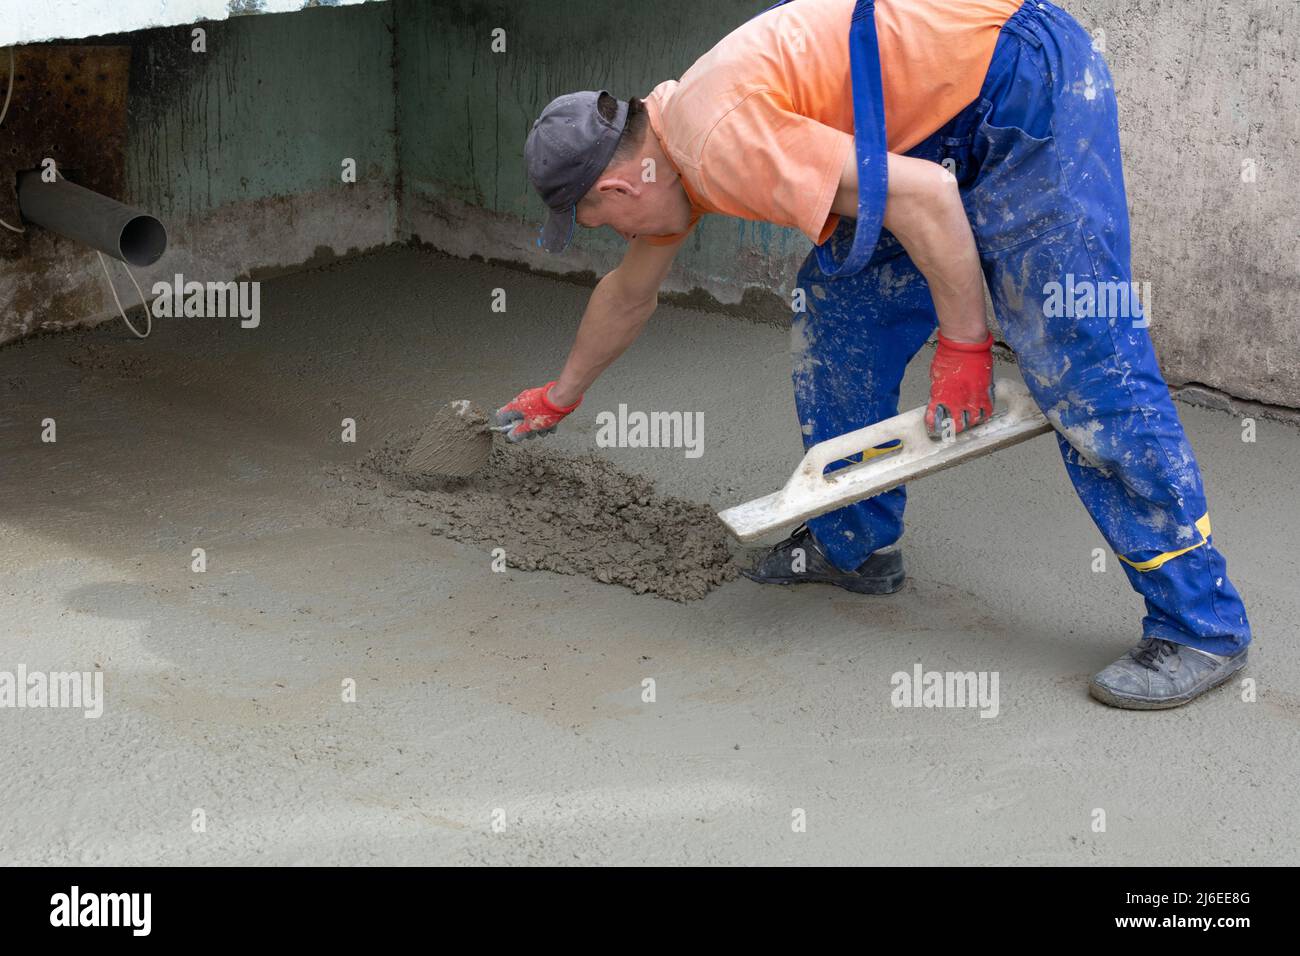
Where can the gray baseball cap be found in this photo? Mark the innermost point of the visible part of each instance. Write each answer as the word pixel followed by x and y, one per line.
pixel 568 148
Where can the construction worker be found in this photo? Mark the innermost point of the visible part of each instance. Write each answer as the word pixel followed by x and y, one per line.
pixel 983 136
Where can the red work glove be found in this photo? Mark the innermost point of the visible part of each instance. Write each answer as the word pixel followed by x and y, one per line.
pixel 961 385
pixel 531 413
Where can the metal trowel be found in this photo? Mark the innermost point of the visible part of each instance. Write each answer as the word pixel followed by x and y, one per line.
pixel 456 443
pixel 811 491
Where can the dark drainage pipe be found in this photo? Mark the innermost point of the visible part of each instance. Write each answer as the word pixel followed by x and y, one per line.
pixel 79 213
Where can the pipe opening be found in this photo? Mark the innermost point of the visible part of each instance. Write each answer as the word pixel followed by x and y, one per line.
pixel 99 221
pixel 143 241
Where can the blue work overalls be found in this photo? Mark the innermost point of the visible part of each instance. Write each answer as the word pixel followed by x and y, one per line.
pixel 1037 160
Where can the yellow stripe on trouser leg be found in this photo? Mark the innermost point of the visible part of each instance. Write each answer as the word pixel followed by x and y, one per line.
pixel 1202 525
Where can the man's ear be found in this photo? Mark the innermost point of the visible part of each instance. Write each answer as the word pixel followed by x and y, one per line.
pixel 616 184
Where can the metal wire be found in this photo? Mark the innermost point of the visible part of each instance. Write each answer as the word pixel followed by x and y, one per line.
pixel 4 110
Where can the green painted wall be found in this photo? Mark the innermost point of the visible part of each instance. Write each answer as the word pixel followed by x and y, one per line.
pixel 271 109
pixel 464 111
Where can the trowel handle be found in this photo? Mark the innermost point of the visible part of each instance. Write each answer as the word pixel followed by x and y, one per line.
pixel 809 492
pixel 908 428
pixel 1014 410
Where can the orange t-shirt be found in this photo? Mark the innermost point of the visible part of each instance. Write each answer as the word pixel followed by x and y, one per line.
pixel 761 125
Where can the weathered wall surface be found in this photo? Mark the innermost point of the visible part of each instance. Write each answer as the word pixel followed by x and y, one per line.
pixel 1208 95
pixel 239 151
pixel 1207 90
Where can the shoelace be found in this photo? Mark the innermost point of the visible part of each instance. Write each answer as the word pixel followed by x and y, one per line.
pixel 802 537
pixel 1153 651
pixel 794 536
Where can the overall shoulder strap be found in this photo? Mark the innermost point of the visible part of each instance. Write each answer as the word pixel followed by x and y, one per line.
pixel 869 144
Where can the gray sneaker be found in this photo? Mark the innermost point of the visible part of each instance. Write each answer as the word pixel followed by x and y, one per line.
pixel 881 573
pixel 1158 674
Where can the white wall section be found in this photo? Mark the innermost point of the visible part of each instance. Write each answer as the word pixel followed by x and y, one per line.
pixel 27 21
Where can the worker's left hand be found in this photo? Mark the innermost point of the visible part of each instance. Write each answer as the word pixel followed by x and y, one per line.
pixel 961 385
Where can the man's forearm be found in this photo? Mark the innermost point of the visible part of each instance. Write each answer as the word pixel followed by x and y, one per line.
pixel 924 211
pixel 611 323
pixel 937 235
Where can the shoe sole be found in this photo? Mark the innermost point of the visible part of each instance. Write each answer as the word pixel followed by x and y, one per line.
pixel 885 585
pixel 1124 702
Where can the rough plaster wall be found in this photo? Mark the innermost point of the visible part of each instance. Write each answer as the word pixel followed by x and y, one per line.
pixel 1204 85
pixel 239 152
pixel 28 21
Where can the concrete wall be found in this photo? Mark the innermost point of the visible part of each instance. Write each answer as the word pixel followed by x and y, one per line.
pixel 239 151
pixel 1208 91
pixel 1204 87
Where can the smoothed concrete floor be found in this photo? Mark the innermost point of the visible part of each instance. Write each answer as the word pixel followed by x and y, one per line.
pixel 515 698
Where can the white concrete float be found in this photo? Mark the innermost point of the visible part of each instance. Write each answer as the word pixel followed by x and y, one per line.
pixel 811 492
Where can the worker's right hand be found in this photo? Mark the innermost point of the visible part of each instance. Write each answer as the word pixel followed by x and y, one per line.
pixel 531 413
pixel 961 386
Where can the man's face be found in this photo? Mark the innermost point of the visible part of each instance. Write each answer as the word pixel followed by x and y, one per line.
pixel 634 208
